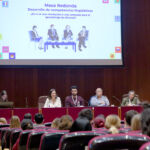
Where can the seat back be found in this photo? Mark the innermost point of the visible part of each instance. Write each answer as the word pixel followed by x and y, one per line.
pixel 34 139
pixel 23 139
pixel 145 146
pixel 14 136
pixel 50 141
pixel 41 101
pixel 77 140
pixel 118 141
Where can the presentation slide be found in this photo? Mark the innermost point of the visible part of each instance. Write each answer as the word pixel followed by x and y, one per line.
pixel 60 32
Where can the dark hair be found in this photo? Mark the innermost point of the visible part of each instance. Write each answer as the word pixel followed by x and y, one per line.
pixel 3 92
pixel 38 118
pixel 26 124
pixel 145 121
pixel 128 116
pixel 28 116
pixel 50 93
pixel 84 27
pixel 81 124
pixel 52 25
pixel 73 87
pixel 34 27
pixel 87 113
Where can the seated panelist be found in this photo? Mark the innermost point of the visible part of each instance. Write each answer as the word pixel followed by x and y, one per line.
pixel 74 100
pixel 53 100
pixel 99 99
pixel 130 100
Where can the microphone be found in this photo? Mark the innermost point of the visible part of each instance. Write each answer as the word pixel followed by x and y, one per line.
pixel 117 99
pixel 26 99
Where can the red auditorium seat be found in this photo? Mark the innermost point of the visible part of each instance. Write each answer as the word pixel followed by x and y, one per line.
pixel 14 136
pixel 23 139
pixel 50 141
pixel 34 139
pixel 77 140
pixel 118 141
pixel 145 146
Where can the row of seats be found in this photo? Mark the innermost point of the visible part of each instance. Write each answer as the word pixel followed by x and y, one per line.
pixel 46 138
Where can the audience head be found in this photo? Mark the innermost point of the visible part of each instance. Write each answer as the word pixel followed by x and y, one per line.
pixel 136 122
pixel 84 28
pixel 52 94
pixel 3 121
pixel 15 122
pixel 52 26
pixel 99 92
pixel 67 27
pixel 65 122
pixel 131 94
pixel 99 121
pixel 128 116
pixel 145 121
pixel 86 113
pixel 74 90
pixel 28 116
pixel 38 118
pixel 55 123
pixel 113 123
pixel 26 124
pixel 81 124
pixel 3 95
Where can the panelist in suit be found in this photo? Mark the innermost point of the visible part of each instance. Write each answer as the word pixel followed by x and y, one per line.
pixel 82 36
pixel 99 99
pixel 53 100
pixel 130 100
pixel 67 34
pixel 3 96
pixel 52 33
pixel 35 37
pixel 74 100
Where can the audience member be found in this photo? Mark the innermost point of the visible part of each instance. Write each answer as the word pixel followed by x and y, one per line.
pixel 99 121
pixel 112 123
pixel 82 123
pixel 38 119
pixel 145 121
pixel 55 123
pixel 136 122
pixel 28 116
pixel 3 121
pixel 65 122
pixel 15 122
pixel 128 117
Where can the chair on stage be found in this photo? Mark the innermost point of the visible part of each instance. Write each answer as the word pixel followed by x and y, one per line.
pixel 118 141
pixel 51 140
pixel 77 140
pixel 41 101
pixel 145 146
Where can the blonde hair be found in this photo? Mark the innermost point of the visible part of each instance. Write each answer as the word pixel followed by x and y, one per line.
pixel 136 122
pixel 66 122
pixel 15 122
pixel 55 123
pixel 3 121
pixel 113 123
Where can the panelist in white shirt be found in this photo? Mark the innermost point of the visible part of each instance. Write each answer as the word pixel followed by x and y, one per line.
pixel 53 100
